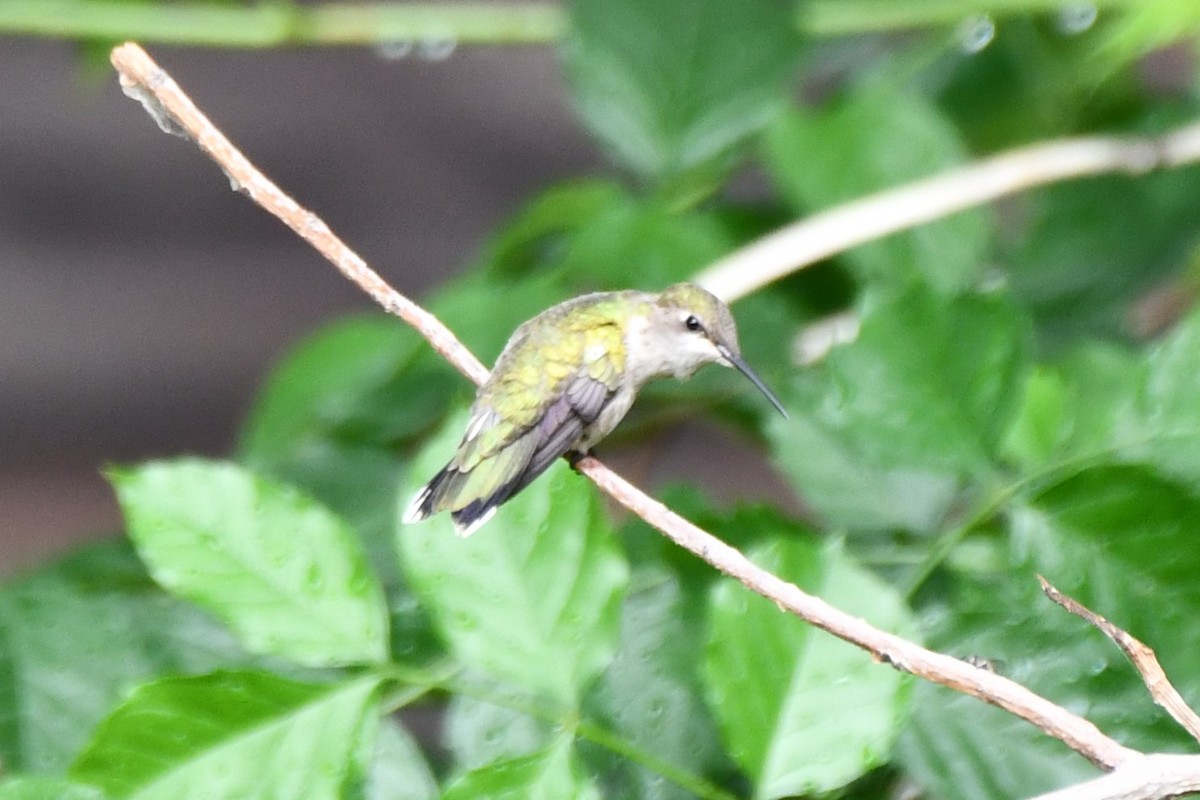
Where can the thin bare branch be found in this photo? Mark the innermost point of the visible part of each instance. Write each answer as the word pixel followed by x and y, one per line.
pixel 1079 734
pixel 848 225
pixel 1144 777
pixel 144 80
pixel 1144 660
pixel 816 340
pixel 175 113
pixel 380 22
pixel 329 24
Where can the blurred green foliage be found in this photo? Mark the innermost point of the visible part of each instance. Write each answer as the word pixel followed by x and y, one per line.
pixel 999 415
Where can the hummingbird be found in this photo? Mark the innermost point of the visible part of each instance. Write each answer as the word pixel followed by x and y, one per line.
pixel 563 382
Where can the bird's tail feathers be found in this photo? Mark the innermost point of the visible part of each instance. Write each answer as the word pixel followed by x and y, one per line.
pixel 467 520
pixel 464 526
pixel 424 502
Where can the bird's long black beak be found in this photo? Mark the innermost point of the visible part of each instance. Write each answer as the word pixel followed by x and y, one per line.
pixel 744 368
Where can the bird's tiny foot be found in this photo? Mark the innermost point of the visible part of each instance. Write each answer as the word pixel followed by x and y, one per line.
pixel 575 456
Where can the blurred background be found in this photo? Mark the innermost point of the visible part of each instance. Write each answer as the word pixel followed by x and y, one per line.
pixel 142 302
pixel 1022 398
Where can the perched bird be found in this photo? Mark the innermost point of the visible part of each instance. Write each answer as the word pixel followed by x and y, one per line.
pixel 564 381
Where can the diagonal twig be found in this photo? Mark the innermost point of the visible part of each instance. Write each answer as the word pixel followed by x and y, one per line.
pixel 1162 691
pixel 144 80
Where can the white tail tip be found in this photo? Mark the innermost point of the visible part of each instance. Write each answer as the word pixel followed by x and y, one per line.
pixel 414 513
pixel 466 530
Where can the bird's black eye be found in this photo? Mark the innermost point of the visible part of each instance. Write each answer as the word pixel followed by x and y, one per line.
pixel 692 324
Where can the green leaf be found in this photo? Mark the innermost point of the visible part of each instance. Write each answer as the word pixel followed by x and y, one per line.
pixel 876 137
pixel 479 732
pixel 850 488
pixel 1120 540
pixel 1117 407
pixel 955 746
pixel 1167 421
pixel 1039 427
pixel 596 236
pixel 651 693
pixel 334 384
pixel 536 235
pixel 1035 80
pixel 332 418
pixel 885 429
pixel 282 571
pixel 673 86
pixel 643 244
pixel 547 775
pixel 333 412
pixel 1079 407
pixel 1103 381
pixel 801 711
pixel 533 598
pixel 75 636
pixel 483 311
pixel 1089 248
pixel 236 735
pixel 30 788
pixel 1148 26
pixel 399 770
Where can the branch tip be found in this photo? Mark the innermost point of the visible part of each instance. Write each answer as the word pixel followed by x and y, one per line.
pixel 1143 658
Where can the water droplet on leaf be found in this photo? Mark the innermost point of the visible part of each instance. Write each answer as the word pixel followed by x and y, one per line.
pixel 436 48
pixel 975 33
pixel 1075 18
pixel 394 51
